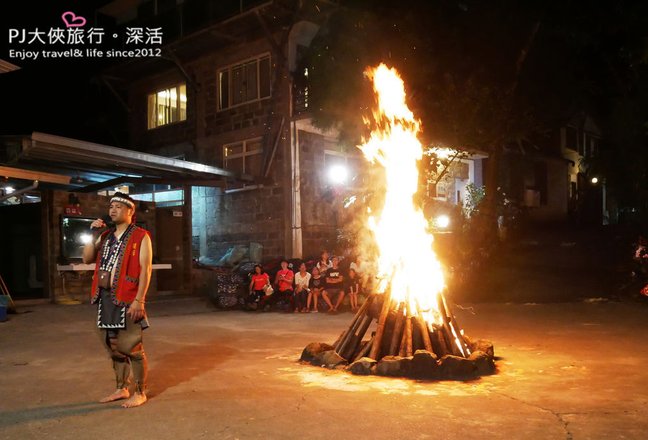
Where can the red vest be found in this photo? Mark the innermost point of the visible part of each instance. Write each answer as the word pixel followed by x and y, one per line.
pixel 127 270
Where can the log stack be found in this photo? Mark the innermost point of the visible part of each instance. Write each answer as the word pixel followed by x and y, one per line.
pixel 403 343
pixel 400 332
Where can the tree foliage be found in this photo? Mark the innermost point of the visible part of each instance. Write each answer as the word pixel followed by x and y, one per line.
pixel 492 76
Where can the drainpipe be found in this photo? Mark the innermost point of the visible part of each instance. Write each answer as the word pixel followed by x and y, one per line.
pixel 295 183
pixel 295 206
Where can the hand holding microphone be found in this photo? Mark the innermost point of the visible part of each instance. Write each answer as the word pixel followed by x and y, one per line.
pixel 101 223
pixel 98 224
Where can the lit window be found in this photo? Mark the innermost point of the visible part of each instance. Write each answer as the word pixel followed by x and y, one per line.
pixel 167 106
pixel 244 83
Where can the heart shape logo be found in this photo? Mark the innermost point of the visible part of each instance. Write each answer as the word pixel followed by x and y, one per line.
pixel 72 20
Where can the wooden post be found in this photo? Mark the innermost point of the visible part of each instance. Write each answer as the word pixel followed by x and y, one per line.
pixel 357 319
pixel 356 339
pixel 365 350
pixel 375 349
pixel 452 343
pixel 397 333
pixel 456 328
pixel 424 332
pixel 408 332
pixel 437 336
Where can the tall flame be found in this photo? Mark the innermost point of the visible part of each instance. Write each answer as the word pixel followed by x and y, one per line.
pixel 407 263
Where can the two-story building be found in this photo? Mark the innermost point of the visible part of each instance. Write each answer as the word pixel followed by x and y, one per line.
pixel 226 92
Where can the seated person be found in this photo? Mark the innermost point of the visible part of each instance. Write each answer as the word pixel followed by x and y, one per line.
pixel 324 263
pixel 258 281
pixel 316 285
pixel 284 287
pixel 302 291
pixel 334 285
pixel 360 268
pixel 352 287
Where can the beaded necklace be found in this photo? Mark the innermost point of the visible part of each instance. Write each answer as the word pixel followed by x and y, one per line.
pixel 110 251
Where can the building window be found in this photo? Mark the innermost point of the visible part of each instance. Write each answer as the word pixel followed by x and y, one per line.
pixel 540 175
pixel 571 138
pixel 244 157
pixel 162 195
pixel 167 106
pixel 244 83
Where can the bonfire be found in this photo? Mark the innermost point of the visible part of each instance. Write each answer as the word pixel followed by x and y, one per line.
pixel 416 333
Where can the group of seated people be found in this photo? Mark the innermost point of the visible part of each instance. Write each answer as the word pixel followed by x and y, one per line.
pixel 303 290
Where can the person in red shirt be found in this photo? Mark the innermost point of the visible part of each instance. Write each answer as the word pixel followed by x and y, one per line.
pixel 258 281
pixel 284 287
pixel 284 278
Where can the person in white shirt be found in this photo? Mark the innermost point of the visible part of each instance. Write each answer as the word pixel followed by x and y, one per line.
pixel 302 292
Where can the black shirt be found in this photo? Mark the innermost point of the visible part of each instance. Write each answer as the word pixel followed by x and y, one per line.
pixel 337 275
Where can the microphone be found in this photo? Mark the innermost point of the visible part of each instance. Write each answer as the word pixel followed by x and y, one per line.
pixel 108 222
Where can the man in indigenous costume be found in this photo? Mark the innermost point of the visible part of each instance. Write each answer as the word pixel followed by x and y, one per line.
pixel 122 274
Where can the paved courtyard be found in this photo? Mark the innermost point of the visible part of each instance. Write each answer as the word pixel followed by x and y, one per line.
pixel 565 371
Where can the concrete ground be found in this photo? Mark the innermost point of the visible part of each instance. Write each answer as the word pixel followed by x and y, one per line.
pixel 566 371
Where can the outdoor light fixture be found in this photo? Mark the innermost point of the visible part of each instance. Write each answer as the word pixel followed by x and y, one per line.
pixel 442 221
pixel 594 180
pixel 338 174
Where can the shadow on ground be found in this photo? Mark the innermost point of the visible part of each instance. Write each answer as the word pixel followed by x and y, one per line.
pixel 8 418
pixel 184 364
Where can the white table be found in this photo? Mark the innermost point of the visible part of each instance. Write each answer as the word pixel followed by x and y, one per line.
pixel 64 268
pixel 91 266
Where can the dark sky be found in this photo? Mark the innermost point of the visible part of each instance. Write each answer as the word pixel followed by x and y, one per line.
pixel 51 95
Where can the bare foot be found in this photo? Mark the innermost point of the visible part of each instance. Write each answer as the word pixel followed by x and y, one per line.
pixel 136 399
pixel 119 394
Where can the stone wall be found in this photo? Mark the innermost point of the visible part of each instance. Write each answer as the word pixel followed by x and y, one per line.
pixel 319 203
pixel 224 220
pixel 207 128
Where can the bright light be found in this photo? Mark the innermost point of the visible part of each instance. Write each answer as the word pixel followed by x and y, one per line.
pixel 441 152
pixel 9 189
pixel 85 238
pixel 338 174
pixel 442 221
pixel 594 180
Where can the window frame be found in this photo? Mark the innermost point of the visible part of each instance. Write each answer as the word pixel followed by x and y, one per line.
pixel 155 94
pixel 244 153
pixel 229 69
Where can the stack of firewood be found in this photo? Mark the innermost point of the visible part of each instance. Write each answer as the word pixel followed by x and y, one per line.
pixel 400 331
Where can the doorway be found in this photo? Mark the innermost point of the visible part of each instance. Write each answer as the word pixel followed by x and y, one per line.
pixel 169 248
pixel 21 258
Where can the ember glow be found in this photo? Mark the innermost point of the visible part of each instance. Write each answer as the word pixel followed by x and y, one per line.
pixel 408 266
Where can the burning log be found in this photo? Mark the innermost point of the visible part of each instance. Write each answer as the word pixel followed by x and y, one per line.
pixel 400 333
pixel 406 344
pixel 375 349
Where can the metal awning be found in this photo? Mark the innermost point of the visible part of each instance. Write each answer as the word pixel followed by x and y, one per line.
pixel 79 165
